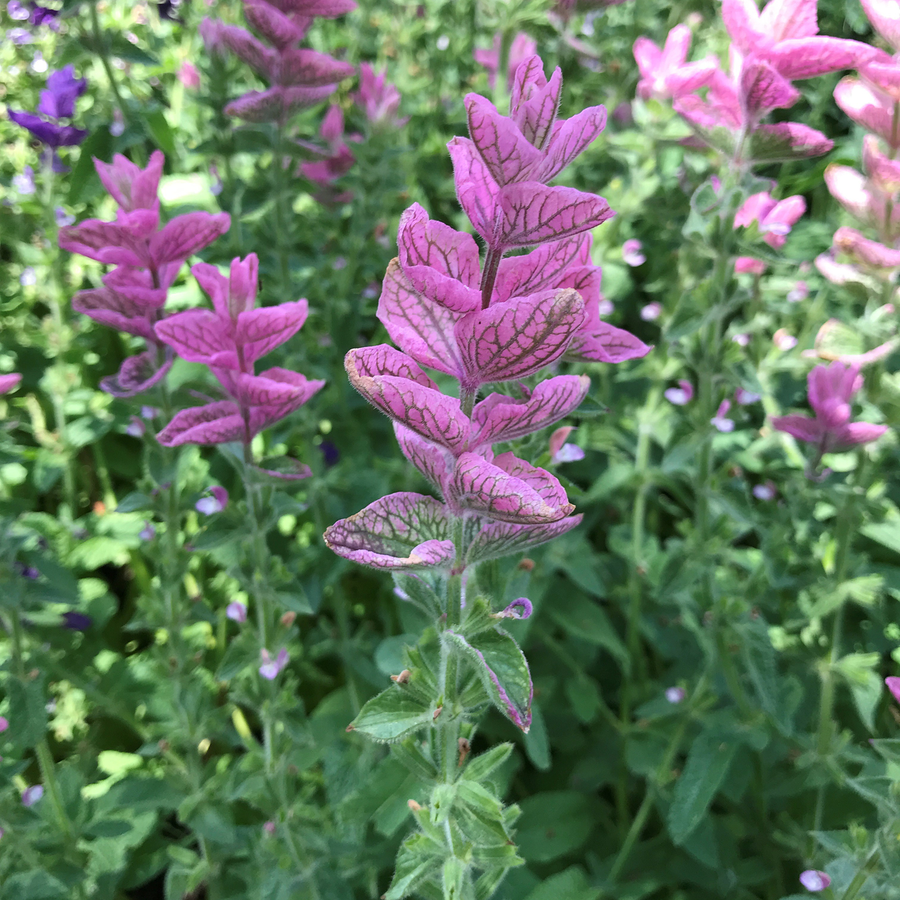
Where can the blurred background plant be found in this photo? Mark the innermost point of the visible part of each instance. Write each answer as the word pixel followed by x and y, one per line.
pixel 683 637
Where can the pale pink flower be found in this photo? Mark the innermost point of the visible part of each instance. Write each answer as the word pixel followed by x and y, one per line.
pixel 783 340
pixel 814 880
pixel 775 218
pixel 631 253
pixel 720 420
pixel 749 265
pixel 189 76
pixel 651 311
pixel 800 291
pixel 745 397
pixel 236 611
pixel 675 694
pixel 522 48
pixel 766 491
pixel 681 395
pixel 893 685
pixel 271 667
pixel 213 504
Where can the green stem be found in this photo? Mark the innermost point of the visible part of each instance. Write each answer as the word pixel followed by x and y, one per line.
pixel 44 757
pixel 500 83
pixel 640 819
pixel 102 50
pixel 844 528
pixel 636 588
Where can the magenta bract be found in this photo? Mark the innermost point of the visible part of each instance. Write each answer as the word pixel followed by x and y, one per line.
pixel 830 391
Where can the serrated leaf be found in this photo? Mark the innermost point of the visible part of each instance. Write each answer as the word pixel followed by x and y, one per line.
pixel 553 824
pixel 586 620
pixel 392 714
pixel 27 709
pixel 480 767
pixel 413 867
pixel 503 671
pixel 706 767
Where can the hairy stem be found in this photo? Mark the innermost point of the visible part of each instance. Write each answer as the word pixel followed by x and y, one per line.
pixel 844 527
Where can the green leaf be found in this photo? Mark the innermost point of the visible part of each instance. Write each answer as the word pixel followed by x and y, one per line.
pixel 35 885
pixel 706 767
pixel 758 656
pixel 866 686
pixel 414 865
pixel 553 824
pixel 481 766
pixel 27 709
pixel 572 884
pixel 885 533
pixel 453 878
pixel 415 760
pixel 393 714
pixel 585 619
pixel 503 671
pixel 96 552
pixel 133 502
pixel 537 743
pixel 99 144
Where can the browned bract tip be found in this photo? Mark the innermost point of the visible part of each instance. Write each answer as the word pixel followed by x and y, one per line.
pixel 402 678
pixel 465 748
pixel 350 728
pixel 526 564
pixel 437 712
pixel 289 618
pixel 415 807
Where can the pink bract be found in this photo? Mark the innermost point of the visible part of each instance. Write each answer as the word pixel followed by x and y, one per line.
pixel 830 391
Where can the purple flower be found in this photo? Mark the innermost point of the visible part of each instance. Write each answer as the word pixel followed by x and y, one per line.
pixel 270 668
pixel 814 880
pixel 631 253
pixel 62 217
pixel 135 427
pixel 741 339
pixel 766 491
pixel 236 611
pixel 214 504
pixel 76 621
pixel 148 532
pixel 269 828
pixel 560 451
pixel 4 724
pixel 17 11
pixel 675 694
pixel 19 36
pixel 720 420
pixel 799 292
pixel 330 454
pixel 27 278
pixel 24 182
pixel 520 608
pixel 57 102
pixel 681 395
pixel 29 572
pixel 745 398
pixel 50 133
pixel 31 795
pixel 892 682
pixel 63 89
